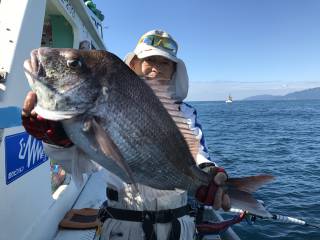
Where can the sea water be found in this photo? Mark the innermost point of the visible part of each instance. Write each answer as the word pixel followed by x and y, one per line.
pixel 281 138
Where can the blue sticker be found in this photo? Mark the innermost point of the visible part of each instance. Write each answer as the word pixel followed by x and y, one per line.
pixel 23 153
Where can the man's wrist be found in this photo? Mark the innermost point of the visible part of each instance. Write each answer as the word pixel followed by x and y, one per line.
pixel 206 166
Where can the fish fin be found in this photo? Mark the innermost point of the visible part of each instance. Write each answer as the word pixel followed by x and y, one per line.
pixel 249 184
pixel 110 149
pixel 180 120
pixel 246 202
pixel 166 100
pixel 171 106
pixel 163 90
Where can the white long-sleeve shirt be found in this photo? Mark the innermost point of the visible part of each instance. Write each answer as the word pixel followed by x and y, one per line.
pixel 190 113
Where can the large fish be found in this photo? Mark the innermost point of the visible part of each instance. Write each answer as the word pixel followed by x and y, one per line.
pixel 129 127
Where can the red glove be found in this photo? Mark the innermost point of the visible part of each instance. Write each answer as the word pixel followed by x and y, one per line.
pixel 46 130
pixel 206 194
pixel 219 227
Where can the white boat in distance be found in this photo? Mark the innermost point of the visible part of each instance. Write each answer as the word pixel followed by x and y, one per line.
pixel 229 100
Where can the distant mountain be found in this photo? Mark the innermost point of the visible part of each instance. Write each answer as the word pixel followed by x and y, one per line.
pixel 263 97
pixel 308 94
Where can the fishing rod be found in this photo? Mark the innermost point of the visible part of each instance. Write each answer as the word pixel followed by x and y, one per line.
pixel 277 217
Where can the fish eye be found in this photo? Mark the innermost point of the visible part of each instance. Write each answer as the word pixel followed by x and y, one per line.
pixel 74 63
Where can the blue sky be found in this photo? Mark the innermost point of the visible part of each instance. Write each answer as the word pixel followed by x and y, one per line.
pixel 245 47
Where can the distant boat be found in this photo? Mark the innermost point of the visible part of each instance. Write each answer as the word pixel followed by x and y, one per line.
pixel 229 100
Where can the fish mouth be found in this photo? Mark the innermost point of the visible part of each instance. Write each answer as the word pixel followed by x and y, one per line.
pixel 55 115
pixel 40 82
pixel 34 68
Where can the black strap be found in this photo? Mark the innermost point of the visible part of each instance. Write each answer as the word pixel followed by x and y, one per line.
pixel 148 229
pixel 206 165
pixel 161 216
pixel 112 194
pixel 175 230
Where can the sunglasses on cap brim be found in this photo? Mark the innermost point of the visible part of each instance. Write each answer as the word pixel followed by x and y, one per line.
pixel 162 42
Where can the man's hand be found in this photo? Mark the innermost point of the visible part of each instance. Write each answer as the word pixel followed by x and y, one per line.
pixel 214 194
pixel 29 104
pixel 221 199
pixel 48 131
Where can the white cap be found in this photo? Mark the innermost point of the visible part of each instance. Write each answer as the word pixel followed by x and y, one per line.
pixel 143 50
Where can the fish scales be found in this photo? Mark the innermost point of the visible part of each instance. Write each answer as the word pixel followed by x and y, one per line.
pixel 145 142
pixel 157 142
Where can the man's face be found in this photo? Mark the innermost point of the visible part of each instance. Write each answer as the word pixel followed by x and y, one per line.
pixel 154 67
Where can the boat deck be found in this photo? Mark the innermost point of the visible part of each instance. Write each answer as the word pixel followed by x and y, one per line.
pixel 92 196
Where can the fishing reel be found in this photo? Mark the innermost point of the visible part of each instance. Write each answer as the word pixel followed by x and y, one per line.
pixel 250 219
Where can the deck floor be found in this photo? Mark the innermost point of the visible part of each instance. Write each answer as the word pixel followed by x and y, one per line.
pixel 92 196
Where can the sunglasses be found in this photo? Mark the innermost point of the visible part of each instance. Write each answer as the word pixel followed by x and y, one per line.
pixel 159 41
